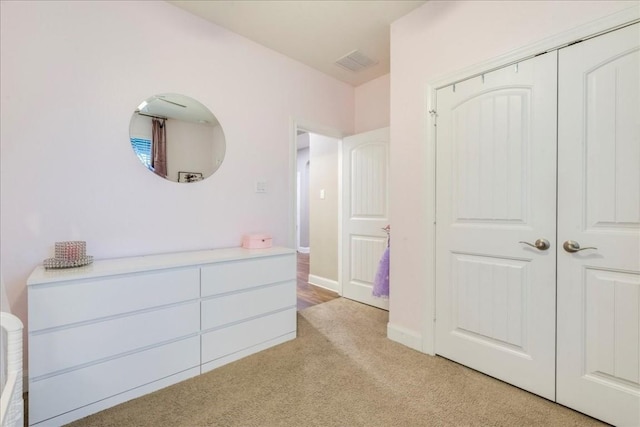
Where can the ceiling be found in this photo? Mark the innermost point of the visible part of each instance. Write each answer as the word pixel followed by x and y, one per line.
pixel 177 107
pixel 314 32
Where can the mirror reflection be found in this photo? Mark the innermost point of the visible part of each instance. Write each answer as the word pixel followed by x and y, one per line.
pixel 177 138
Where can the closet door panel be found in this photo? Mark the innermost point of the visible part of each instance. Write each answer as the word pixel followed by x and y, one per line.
pixel 496 157
pixel 599 207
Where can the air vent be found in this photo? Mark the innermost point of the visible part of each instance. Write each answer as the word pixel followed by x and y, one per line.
pixel 356 61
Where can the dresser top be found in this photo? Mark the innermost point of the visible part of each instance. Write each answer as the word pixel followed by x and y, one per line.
pixel 110 267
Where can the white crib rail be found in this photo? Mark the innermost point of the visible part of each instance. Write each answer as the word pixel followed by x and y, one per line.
pixel 11 403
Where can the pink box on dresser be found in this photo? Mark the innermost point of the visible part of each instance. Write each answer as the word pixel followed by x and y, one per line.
pixel 256 241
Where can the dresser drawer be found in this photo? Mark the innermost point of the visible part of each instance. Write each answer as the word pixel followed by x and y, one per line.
pixel 61 393
pixel 238 275
pixel 87 343
pixel 78 301
pixel 238 337
pixel 222 310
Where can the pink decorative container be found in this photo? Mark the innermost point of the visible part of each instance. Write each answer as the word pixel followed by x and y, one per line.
pixel 256 241
pixel 69 254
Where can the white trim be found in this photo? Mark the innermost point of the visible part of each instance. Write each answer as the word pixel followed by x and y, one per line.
pixel 296 124
pixel 404 336
pixel 428 333
pixel 339 285
pixel 298 207
pixel 303 249
pixel 618 19
pixel 325 283
pixel 305 125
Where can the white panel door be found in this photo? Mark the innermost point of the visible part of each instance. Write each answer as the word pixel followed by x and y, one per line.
pixel 599 206
pixel 496 187
pixel 365 212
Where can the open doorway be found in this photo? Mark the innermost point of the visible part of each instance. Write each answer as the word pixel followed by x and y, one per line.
pixel 317 218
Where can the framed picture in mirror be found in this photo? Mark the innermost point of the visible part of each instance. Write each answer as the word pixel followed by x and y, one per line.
pixel 189 176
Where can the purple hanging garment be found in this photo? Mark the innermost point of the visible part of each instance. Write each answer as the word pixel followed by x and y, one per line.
pixel 381 281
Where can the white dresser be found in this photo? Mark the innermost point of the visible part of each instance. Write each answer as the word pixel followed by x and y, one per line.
pixel 118 329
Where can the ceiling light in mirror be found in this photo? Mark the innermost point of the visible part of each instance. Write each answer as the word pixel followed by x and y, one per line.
pixel 177 137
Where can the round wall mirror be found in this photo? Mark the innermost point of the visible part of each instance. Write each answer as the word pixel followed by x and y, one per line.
pixel 177 138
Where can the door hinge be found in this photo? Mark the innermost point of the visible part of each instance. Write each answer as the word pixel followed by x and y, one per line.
pixel 434 115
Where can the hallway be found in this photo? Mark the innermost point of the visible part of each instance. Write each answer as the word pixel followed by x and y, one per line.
pixel 309 295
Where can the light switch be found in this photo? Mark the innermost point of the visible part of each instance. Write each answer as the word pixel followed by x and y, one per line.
pixel 261 187
pixel 322 194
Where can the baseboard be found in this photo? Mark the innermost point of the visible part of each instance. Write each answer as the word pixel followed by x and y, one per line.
pixel 303 250
pixel 404 336
pixel 329 284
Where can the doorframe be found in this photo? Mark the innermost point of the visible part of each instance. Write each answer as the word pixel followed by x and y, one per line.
pixel 295 124
pixel 608 23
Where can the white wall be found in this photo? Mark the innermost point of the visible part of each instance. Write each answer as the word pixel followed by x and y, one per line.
pixel 189 148
pixel 372 105
pixel 140 127
pixel 434 40
pixel 219 146
pixel 71 75
pixel 323 213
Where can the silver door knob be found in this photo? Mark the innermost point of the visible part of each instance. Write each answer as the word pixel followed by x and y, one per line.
pixel 540 244
pixel 573 246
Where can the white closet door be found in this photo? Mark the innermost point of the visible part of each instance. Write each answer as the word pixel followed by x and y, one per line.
pixel 599 206
pixel 496 186
pixel 365 212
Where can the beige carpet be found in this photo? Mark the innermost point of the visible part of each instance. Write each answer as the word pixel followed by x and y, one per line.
pixel 340 371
